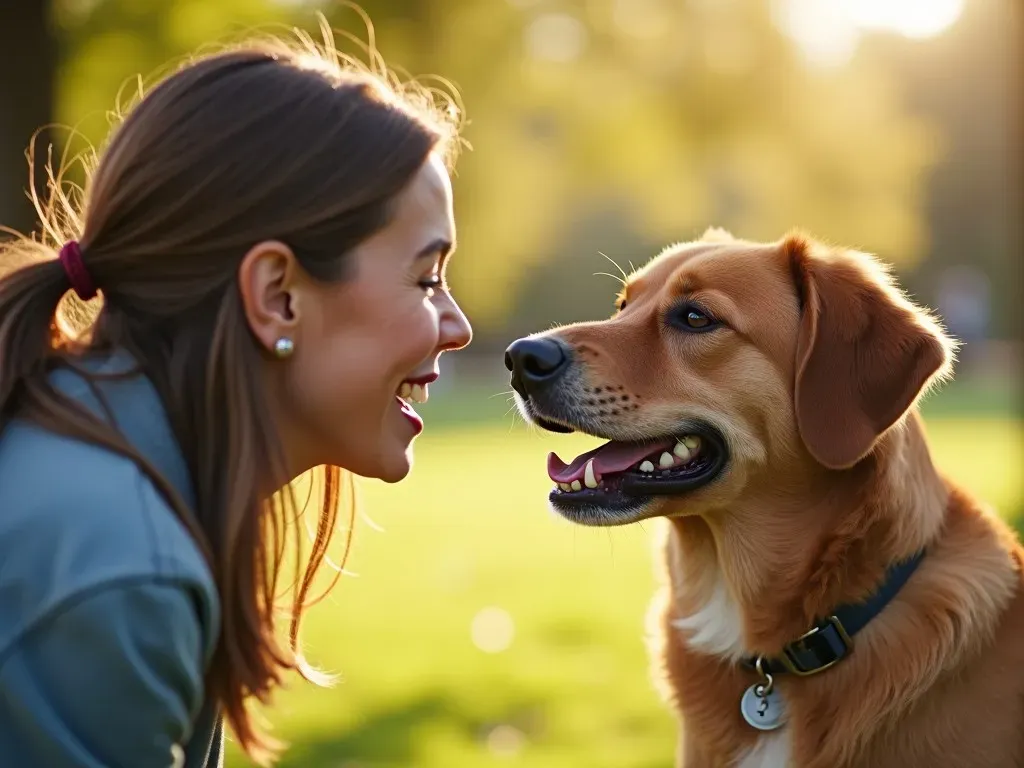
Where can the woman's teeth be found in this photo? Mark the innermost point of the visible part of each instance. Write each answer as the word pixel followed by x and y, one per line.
pixel 417 393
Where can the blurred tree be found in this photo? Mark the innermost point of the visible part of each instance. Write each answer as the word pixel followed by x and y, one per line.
pixel 969 81
pixel 109 48
pixel 670 115
pixel 673 115
pixel 26 96
pixel 1016 254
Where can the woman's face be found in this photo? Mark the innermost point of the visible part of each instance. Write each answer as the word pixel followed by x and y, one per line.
pixel 368 345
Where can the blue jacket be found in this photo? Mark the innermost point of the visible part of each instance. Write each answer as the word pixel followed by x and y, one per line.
pixel 108 613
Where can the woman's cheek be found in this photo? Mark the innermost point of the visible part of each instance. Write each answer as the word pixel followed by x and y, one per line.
pixel 428 328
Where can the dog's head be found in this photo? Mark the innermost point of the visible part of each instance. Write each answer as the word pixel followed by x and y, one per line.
pixel 726 360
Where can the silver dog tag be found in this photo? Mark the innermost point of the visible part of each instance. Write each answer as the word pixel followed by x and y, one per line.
pixel 766 713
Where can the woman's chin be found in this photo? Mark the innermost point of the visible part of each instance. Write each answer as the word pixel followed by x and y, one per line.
pixel 395 465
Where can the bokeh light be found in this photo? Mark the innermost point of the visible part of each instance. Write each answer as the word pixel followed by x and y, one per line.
pixel 492 630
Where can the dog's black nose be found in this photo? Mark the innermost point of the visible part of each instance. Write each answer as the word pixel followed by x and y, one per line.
pixel 534 361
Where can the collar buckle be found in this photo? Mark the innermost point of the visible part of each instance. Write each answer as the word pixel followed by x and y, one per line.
pixel 815 651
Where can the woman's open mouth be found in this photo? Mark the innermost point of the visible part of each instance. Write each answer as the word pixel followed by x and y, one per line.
pixel 620 474
pixel 413 391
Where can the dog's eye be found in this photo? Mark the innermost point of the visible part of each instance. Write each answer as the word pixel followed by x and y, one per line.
pixel 691 318
pixel 696 319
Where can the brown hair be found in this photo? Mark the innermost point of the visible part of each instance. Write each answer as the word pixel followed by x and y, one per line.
pixel 262 141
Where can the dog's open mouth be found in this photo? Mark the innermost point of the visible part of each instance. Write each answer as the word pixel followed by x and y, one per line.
pixel 619 474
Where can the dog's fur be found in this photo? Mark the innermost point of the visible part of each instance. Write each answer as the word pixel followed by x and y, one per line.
pixel 813 381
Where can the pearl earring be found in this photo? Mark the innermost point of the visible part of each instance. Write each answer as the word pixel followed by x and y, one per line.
pixel 284 347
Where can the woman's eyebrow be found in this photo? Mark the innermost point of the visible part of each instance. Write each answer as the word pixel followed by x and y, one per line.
pixel 440 245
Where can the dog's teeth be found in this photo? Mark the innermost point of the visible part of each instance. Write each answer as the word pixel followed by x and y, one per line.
pixel 666 460
pixel 405 390
pixel 682 451
pixel 589 479
pixel 647 466
pixel 565 486
pixel 692 442
pixel 575 485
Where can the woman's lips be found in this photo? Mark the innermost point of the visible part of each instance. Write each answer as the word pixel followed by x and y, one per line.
pixel 414 389
pixel 411 416
pixel 430 377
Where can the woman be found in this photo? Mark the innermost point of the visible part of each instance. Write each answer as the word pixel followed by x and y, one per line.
pixel 269 232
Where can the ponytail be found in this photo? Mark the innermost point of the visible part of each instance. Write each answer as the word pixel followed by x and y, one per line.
pixel 29 332
pixel 36 334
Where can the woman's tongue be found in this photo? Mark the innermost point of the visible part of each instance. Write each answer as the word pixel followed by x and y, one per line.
pixel 608 458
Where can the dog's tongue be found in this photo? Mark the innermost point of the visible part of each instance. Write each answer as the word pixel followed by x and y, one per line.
pixel 608 458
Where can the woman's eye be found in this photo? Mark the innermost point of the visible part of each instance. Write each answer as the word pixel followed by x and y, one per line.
pixel 431 283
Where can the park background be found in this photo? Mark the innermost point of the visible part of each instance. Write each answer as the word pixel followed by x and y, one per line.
pixel 473 628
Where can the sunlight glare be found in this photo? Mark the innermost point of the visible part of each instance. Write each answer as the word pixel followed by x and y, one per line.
pixel 910 18
pixel 821 29
pixel 828 31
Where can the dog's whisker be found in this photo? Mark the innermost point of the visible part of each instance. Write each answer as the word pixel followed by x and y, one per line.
pixel 616 278
pixel 615 264
pixel 516 415
pixel 514 412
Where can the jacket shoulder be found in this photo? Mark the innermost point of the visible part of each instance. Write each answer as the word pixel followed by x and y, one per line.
pixel 74 516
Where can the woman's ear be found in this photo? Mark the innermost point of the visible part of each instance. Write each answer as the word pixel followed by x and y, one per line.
pixel 864 354
pixel 267 281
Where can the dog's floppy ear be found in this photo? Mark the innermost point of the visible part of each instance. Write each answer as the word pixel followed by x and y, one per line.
pixel 864 353
pixel 717 235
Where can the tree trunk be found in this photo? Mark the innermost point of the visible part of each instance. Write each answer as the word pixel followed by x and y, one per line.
pixel 1017 238
pixel 27 68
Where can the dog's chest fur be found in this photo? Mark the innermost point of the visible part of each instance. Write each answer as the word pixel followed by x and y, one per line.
pixel 716 629
pixel 771 751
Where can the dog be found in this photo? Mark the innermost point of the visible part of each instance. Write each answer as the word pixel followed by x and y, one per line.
pixel 830 599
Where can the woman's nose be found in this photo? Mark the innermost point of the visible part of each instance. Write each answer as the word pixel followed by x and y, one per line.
pixel 456 332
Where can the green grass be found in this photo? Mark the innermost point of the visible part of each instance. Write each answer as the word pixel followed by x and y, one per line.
pixel 469 530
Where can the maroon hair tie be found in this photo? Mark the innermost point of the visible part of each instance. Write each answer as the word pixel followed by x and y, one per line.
pixel 74 267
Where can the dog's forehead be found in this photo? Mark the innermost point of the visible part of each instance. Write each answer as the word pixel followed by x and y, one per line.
pixel 733 268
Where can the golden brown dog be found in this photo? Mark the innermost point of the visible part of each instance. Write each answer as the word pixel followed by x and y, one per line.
pixel 762 398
